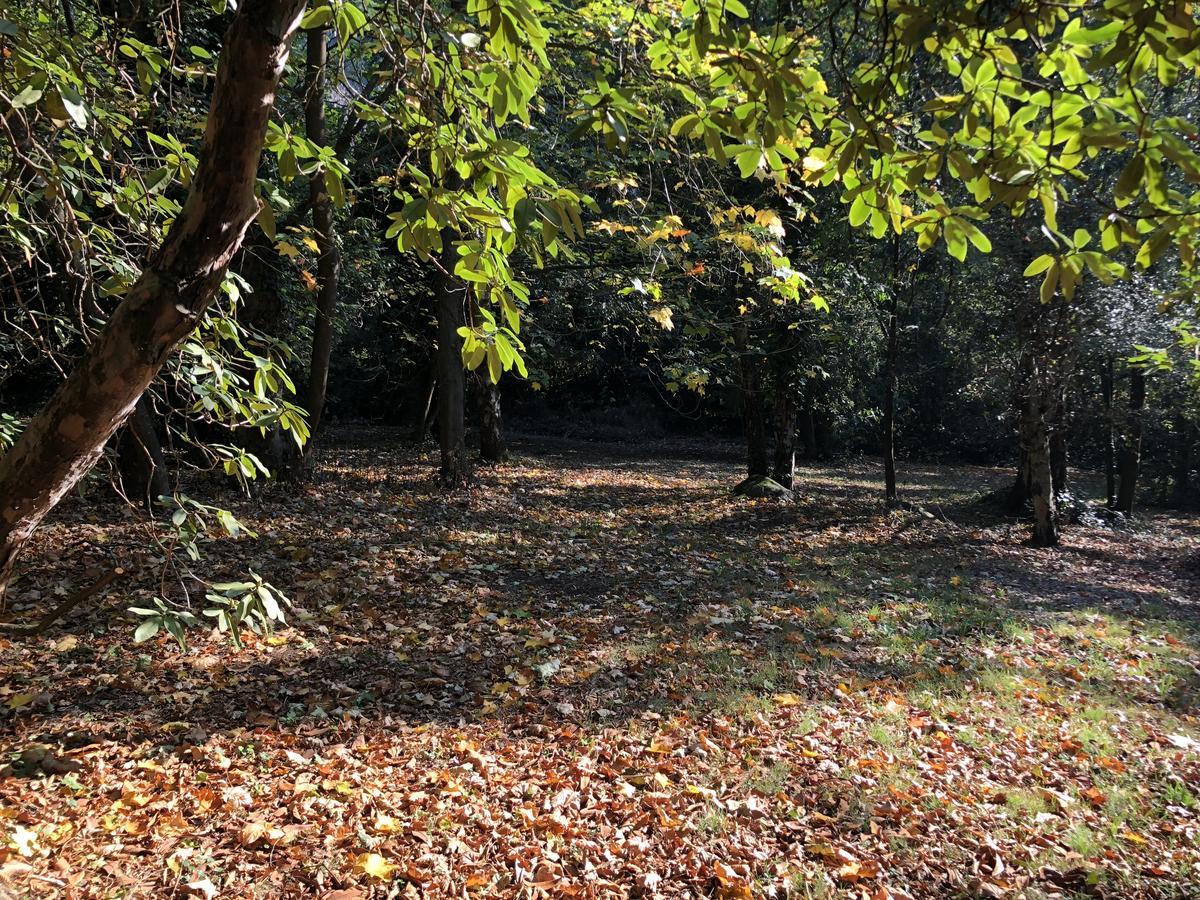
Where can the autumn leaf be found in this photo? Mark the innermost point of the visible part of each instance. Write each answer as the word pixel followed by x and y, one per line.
pixel 374 865
pixel 662 315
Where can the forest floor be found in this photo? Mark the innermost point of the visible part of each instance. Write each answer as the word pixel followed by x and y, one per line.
pixel 599 675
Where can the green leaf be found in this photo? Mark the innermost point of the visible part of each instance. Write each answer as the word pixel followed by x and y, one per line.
pixel 147 630
pixel 1039 265
pixel 1089 37
pixel 859 211
pixel 317 17
pixel 27 96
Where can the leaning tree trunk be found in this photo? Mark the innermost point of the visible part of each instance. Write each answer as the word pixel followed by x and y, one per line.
pixel 492 448
pixel 65 439
pixel 750 378
pixel 1110 446
pixel 322 214
pixel 1131 448
pixel 140 458
pixel 783 468
pixel 449 296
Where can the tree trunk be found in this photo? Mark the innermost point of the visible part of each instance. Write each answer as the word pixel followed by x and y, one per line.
pixel 449 297
pixel 1181 487
pixel 784 468
pixel 1035 442
pixel 1059 446
pixel 808 432
pixel 424 409
pixel 140 457
pixel 753 408
pixel 322 213
pixel 890 383
pixel 1018 495
pixel 491 433
pixel 1131 448
pixel 824 424
pixel 1110 447
pixel 65 439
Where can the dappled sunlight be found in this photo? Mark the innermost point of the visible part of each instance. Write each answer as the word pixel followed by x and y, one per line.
pixel 565 652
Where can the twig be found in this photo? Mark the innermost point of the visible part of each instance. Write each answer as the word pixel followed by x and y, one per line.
pixel 62 609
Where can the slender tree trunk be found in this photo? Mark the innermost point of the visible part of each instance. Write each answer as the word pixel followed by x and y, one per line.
pixel 449 297
pixel 420 420
pixel 890 383
pixel 65 439
pixel 1059 445
pixel 492 448
pixel 824 426
pixel 1035 442
pixel 141 460
pixel 1185 438
pixel 1018 495
pixel 753 408
pixel 1131 448
pixel 783 468
pixel 328 261
pixel 1110 447
pixel 808 431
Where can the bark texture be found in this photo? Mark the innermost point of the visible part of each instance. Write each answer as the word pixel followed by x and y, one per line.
pixel 783 468
pixel 1034 434
pixel 492 448
pixel 65 439
pixel 750 384
pixel 449 298
pixel 143 465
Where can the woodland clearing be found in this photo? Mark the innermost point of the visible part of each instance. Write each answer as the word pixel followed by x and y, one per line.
pixel 599 675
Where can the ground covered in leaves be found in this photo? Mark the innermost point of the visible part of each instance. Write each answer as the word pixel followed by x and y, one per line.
pixel 599 675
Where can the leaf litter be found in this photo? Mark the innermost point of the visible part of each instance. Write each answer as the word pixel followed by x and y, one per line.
pixel 598 675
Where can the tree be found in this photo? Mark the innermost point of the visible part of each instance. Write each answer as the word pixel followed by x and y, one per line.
pixel 168 300
pixel 1130 462
pixel 492 447
pixel 322 215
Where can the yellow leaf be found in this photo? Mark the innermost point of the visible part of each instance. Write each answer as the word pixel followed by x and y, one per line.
pixel 788 700
pixel 24 840
pixel 311 245
pixel 20 700
pixel 662 315
pixel 388 824
pixel 374 865
pixel 769 219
